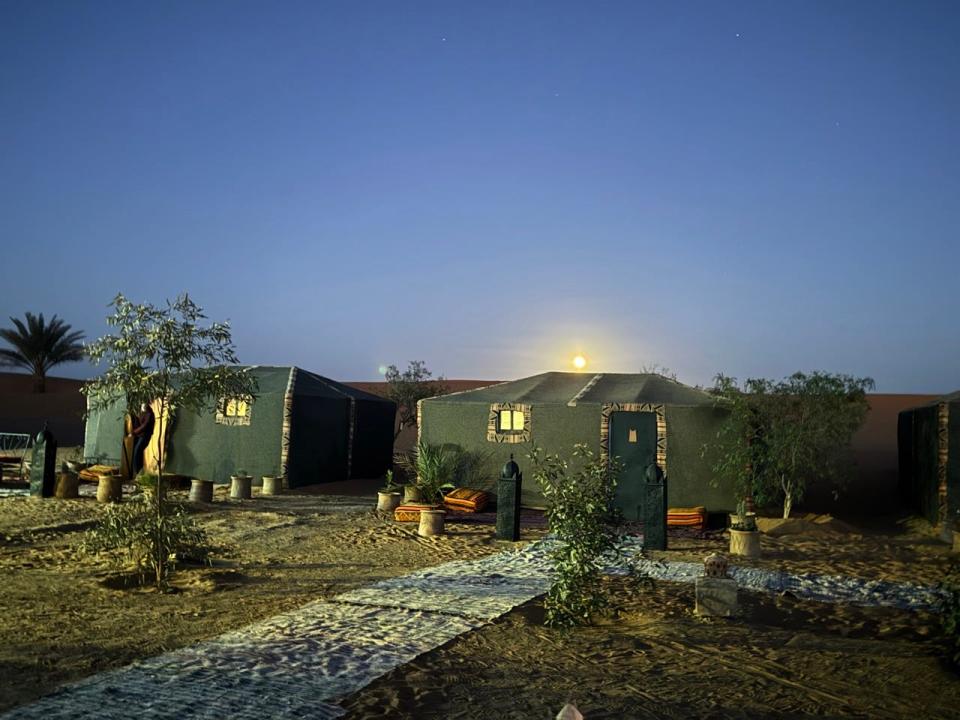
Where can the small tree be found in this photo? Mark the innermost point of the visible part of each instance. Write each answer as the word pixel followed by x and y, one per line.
pixel 165 355
pixel 39 346
pixel 409 387
pixel 579 502
pixel 782 435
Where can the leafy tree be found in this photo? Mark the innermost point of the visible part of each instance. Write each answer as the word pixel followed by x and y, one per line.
pixel 409 387
pixel 165 356
pixel 579 501
pixel 781 435
pixel 38 346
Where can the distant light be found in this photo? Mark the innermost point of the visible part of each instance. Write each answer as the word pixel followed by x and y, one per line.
pixel 382 369
pixel 579 362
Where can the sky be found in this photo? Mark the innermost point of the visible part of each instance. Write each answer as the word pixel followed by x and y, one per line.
pixel 495 187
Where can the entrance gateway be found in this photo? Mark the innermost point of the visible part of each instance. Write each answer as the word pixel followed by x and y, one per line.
pixel 633 439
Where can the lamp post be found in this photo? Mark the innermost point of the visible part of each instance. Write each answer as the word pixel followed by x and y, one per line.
pixel 508 501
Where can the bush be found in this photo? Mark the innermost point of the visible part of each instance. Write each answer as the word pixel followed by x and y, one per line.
pixel 579 502
pixel 950 612
pixel 151 542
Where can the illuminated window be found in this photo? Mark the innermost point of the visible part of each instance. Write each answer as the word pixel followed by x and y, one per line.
pixel 233 411
pixel 633 435
pixel 510 421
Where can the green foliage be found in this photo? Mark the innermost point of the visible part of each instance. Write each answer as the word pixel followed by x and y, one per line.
pixel 409 387
pixel 744 522
pixel 780 435
pixel 38 346
pixel 950 612
pixel 168 356
pixel 579 501
pixel 433 466
pixel 152 543
pixel 388 482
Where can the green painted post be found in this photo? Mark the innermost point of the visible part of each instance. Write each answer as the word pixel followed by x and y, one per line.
pixel 655 509
pixel 43 464
pixel 508 501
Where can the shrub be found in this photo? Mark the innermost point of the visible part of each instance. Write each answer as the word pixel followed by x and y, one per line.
pixel 151 542
pixel 579 502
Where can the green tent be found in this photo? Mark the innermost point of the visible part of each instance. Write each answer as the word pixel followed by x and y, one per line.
pixel 927 440
pixel 302 426
pixel 640 418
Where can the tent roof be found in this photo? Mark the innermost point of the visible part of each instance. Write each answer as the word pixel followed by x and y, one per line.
pixel 571 388
pixel 274 379
pixel 953 397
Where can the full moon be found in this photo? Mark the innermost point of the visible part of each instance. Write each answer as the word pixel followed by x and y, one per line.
pixel 579 362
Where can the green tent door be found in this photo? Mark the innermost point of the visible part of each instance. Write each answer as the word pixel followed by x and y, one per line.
pixel 633 439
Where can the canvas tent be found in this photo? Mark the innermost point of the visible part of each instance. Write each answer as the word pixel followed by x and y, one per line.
pixel 928 441
pixel 302 426
pixel 640 418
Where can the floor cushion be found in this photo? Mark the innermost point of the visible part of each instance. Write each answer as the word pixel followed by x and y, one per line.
pixel 466 500
pixel 687 517
pixel 409 512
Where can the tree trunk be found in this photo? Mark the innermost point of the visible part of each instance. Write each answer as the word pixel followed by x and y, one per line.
pixel 787 505
pixel 39 383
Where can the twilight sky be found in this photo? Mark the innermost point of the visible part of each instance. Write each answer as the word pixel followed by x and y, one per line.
pixel 753 188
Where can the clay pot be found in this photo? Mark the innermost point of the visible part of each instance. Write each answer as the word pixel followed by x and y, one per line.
pixel 68 486
pixel 240 487
pixel 201 491
pixel 271 485
pixel 745 542
pixel 411 494
pixel 110 488
pixel 388 501
pixel 431 522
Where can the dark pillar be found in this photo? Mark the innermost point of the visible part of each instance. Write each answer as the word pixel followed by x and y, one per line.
pixel 43 464
pixel 655 510
pixel 508 502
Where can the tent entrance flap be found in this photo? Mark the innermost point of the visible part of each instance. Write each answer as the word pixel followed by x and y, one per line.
pixel 633 439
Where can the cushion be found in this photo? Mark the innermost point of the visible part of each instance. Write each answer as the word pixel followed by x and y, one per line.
pixel 466 500
pixel 409 513
pixel 687 517
pixel 93 473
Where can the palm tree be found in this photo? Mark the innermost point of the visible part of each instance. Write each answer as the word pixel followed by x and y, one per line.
pixel 38 346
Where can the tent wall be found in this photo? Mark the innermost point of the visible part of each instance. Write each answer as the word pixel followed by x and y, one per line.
pixel 923 462
pixel 202 448
pixel 318 440
pixel 557 427
pixel 953 462
pixel 372 438
pixel 103 435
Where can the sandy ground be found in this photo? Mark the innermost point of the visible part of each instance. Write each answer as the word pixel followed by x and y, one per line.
pixel 655 659
pixel 68 616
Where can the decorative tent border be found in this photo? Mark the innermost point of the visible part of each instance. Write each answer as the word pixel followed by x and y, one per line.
pixel 610 408
pixel 352 431
pixel 508 437
pixel 943 447
pixel 285 428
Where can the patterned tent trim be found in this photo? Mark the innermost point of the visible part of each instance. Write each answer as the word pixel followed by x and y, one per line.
pixel 943 426
pixel 610 408
pixel 508 437
pixel 285 427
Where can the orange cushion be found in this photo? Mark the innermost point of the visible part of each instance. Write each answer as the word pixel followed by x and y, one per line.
pixel 687 517
pixel 408 513
pixel 466 500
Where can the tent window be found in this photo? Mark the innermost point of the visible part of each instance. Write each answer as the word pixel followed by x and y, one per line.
pixel 510 421
pixel 233 411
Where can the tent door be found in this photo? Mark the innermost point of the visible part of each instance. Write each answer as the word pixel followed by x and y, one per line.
pixel 633 439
